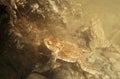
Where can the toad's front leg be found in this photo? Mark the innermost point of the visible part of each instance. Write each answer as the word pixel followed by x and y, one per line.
pixel 53 58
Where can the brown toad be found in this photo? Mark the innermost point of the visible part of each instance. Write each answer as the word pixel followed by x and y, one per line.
pixel 69 52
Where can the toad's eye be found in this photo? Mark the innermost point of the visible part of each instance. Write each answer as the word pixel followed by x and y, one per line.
pixel 49 42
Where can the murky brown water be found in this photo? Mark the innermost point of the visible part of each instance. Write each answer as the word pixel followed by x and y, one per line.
pixel 93 25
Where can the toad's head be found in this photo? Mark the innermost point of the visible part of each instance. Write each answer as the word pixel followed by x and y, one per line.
pixel 52 43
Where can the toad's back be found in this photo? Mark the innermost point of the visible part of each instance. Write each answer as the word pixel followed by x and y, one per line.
pixel 70 52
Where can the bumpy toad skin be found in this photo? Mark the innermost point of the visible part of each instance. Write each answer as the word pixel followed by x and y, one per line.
pixel 68 52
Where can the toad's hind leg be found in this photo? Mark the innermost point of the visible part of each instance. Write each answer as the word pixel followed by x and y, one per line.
pixel 81 70
pixel 90 69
